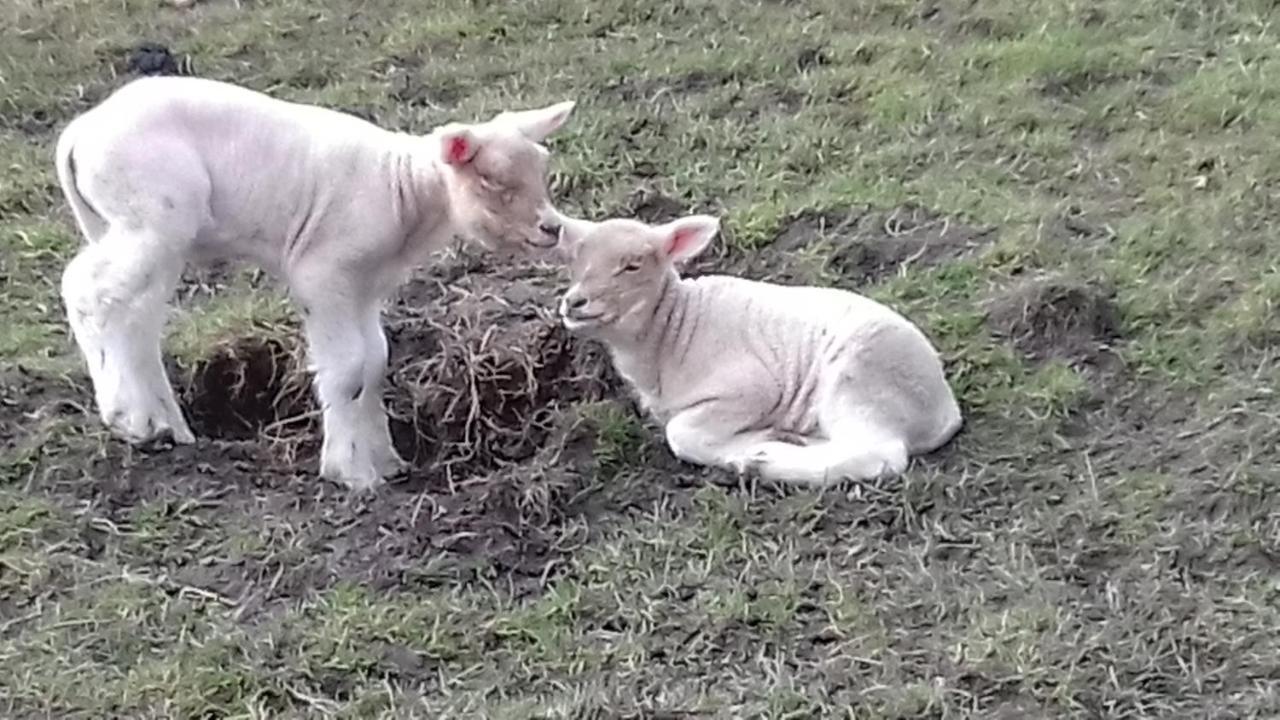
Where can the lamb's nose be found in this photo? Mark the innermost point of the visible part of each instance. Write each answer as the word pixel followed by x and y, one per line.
pixel 550 229
pixel 575 302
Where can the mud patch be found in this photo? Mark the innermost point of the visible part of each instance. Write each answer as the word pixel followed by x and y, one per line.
pixel 1055 317
pixel 512 528
pixel 1073 85
pixel 27 399
pixel 750 104
pixel 516 523
pixel 650 89
pixel 813 56
pixel 881 244
pixel 412 90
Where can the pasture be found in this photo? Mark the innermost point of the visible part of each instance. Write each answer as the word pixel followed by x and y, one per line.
pixel 1076 200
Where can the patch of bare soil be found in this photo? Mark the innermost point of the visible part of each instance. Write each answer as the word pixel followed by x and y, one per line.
pixel 872 246
pixel 26 399
pixel 749 104
pixel 152 58
pixel 270 531
pixel 652 89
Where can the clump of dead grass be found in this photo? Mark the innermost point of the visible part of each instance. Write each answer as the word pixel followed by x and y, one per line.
pixel 481 370
pixel 486 385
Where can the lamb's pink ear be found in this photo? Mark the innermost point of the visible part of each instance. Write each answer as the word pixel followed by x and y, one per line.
pixel 458 145
pixel 687 237
pixel 536 125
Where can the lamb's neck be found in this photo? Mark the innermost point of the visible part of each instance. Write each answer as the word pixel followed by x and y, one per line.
pixel 420 193
pixel 644 355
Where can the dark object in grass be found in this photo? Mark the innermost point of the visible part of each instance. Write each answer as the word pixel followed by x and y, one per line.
pixel 811 57
pixel 150 58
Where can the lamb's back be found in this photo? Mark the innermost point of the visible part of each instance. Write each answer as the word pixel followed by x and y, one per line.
pixel 803 307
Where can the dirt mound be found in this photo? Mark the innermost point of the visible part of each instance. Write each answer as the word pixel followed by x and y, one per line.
pixel 480 368
pixel 1056 318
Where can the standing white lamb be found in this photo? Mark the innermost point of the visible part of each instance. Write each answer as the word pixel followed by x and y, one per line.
pixel 168 171
pixel 802 384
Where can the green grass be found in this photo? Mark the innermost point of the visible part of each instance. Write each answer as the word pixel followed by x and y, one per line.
pixel 1100 542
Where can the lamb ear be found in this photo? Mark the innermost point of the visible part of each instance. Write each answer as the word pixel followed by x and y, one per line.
pixel 458 145
pixel 538 124
pixel 686 238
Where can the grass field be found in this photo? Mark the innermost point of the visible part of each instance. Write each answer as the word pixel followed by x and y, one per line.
pixel 1077 200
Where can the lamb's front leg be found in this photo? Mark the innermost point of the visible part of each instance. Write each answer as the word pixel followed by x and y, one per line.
pixel 711 434
pixel 824 462
pixel 385 457
pixel 349 367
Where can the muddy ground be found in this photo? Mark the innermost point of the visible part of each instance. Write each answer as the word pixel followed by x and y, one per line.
pixel 486 391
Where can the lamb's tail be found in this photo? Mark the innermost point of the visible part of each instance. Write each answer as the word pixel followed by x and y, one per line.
pixel 92 225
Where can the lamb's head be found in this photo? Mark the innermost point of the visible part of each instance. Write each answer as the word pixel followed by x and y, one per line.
pixel 619 269
pixel 496 175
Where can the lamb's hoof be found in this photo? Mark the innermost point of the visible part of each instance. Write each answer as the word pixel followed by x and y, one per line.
pixel 746 465
pixel 182 434
pixel 355 476
pixel 148 430
pixel 389 464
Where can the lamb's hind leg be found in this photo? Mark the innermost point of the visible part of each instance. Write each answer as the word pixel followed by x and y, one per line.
pixel 116 292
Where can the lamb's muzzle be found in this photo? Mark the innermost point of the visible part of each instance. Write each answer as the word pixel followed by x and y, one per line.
pixel 575 312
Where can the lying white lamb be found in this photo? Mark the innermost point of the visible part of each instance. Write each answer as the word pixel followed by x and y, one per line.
pixel 802 384
pixel 169 171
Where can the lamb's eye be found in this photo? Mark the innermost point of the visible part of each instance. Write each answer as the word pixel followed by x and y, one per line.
pixel 490 184
pixel 631 266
